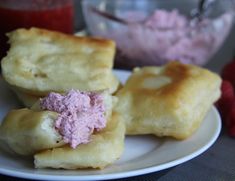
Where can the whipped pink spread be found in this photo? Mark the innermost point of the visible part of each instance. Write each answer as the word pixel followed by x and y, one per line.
pixel 80 114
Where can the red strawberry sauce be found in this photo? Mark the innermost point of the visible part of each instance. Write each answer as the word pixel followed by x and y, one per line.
pixel 50 14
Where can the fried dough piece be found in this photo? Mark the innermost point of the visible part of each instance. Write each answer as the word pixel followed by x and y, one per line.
pixel 104 148
pixel 27 132
pixel 41 61
pixel 171 100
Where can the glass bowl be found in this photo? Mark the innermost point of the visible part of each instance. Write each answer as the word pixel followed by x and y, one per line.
pixel 154 32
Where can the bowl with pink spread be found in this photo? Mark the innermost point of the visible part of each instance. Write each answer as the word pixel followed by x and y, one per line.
pixel 149 32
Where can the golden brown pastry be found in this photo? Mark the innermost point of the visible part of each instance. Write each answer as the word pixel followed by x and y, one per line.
pixel 171 100
pixel 27 131
pixel 105 148
pixel 40 61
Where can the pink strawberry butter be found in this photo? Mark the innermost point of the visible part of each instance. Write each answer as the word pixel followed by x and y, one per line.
pixel 80 114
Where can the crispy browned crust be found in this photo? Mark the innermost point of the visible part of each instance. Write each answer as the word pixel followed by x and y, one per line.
pixel 94 42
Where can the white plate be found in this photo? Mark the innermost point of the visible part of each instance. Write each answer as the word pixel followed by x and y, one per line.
pixel 143 154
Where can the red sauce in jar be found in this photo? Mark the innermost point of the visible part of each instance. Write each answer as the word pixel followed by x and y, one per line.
pixel 49 14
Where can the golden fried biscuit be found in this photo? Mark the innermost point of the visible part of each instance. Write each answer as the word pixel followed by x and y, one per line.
pixel 105 147
pixel 27 131
pixel 40 61
pixel 171 100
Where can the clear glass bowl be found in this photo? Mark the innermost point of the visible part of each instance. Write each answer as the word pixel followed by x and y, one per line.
pixel 154 32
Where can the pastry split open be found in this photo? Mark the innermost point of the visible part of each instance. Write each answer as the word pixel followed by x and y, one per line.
pixel 33 132
pixel 105 148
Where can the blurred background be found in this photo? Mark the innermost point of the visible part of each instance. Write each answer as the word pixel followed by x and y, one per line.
pixel 161 34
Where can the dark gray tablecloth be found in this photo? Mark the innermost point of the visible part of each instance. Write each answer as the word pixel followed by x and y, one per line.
pixel 218 163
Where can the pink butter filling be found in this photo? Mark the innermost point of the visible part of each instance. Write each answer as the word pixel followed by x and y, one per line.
pixel 80 114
